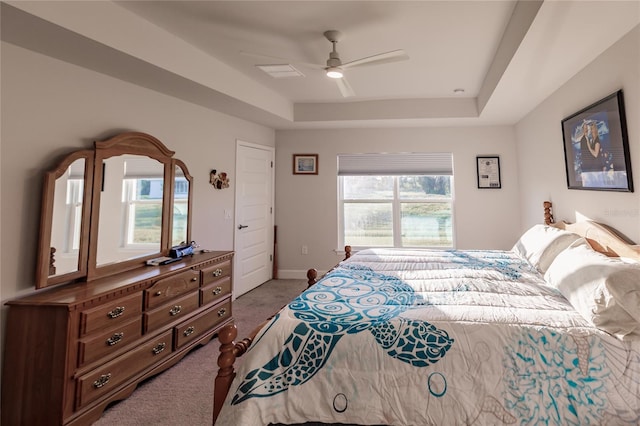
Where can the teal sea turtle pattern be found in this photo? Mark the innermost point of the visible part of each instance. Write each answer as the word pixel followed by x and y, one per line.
pixel 351 299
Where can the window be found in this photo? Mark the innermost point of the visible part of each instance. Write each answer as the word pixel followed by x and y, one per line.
pixel 143 212
pixel 396 200
pixel 142 197
pixel 75 190
pixel 180 210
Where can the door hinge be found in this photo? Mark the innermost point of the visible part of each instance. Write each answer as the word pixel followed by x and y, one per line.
pixel 271 210
pixel 270 258
pixel 272 164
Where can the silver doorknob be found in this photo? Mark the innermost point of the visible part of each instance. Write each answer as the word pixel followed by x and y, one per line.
pixel 242 226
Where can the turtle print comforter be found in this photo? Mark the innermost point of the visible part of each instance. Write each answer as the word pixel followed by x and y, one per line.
pixel 431 337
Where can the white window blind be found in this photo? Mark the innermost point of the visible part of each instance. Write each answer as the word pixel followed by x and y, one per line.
pixel 76 169
pixel 138 167
pixel 387 164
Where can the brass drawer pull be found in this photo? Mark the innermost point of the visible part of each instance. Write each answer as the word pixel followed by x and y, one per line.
pixel 194 279
pixel 103 380
pixel 116 312
pixel 217 291
pixel 158 348
pixel 189 331
pixel 117 337
pixel 222 312
pixel 158 293
pixel 217 272
pixel 175 310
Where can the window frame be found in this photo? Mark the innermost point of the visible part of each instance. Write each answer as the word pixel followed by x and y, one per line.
pixel 73 215
pixel 396 208
pixel 130 202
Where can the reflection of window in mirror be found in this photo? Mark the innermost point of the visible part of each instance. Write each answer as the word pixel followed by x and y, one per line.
pixel 143 211
pixel 130 208
pixel 180 207
pixel 67 218
pixel 75 189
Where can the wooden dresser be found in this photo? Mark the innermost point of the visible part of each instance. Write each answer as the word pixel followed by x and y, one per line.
pixel 73 349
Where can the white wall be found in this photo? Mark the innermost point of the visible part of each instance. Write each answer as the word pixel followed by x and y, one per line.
pixel 50 108
pixel 540 147
pixel 306 205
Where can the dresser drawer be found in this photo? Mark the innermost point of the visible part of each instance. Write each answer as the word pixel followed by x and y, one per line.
pixel 95 347
pixel 202 323
pixel 110 314
pixel 104 379
pixel 215 272
pixel 216 291
pixel 168 288
pixel 170 312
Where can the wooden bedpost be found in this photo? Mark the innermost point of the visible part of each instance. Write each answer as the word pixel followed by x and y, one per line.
pixel 347 252
pixel 548 216
pixel 229 351
pixel 226 373
pixel 312 277
pixel 312 274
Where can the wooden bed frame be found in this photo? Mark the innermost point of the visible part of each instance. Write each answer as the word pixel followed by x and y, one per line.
pixel 602 238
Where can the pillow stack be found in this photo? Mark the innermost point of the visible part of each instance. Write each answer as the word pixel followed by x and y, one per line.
pixel 541 244
pixel 605 290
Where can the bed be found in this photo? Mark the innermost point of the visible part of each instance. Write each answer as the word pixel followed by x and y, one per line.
pixel 546 333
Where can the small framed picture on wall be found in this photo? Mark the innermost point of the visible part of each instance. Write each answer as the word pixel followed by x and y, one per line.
pixel 488 168
pixel 305 164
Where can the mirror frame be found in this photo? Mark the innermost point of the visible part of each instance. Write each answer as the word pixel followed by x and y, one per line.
pixel 179 163
pixel 45 259
pixel 133 143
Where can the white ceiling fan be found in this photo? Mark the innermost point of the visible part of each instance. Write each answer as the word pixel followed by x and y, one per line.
pixel 335 68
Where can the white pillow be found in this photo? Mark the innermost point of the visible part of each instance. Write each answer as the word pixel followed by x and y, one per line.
pixel 541 244
pixel 605 290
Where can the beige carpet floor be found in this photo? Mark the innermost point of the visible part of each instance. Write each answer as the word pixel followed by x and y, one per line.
pixel 183 395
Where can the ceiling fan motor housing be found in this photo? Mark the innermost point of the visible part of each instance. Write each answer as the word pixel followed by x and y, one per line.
pixel 334 59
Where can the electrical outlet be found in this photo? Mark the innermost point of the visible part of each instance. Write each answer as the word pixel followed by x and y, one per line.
pixel 305 250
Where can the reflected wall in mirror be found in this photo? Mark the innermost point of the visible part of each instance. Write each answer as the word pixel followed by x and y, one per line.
pixel 109 209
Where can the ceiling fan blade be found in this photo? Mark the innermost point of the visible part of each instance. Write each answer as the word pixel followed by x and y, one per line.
pixel 279 60
pixel 381 58
pixel 345 87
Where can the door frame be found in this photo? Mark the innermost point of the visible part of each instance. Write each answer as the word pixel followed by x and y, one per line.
pixel 270 234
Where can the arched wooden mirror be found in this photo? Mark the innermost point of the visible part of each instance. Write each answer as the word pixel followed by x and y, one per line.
pixel 131 202
pixel 64 222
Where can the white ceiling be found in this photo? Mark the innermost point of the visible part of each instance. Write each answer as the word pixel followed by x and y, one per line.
pixel 507 56
pixel 450 44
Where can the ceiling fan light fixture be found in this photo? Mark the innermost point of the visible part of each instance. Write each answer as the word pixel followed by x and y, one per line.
pixel 334 72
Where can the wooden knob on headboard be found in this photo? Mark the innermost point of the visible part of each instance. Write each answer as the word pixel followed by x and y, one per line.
pixel 548 216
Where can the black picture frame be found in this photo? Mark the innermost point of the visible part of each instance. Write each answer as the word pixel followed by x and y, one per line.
pixel 596 147
pixel 488 172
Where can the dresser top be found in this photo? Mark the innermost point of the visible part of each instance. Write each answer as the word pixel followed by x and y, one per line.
pixel 117 285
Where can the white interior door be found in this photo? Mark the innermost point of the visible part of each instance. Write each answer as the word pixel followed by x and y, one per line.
pixel 254 216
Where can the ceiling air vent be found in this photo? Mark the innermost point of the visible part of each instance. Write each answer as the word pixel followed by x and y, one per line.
pixel 280 71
